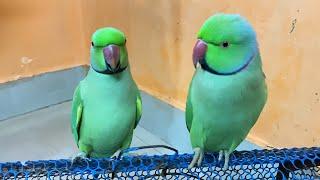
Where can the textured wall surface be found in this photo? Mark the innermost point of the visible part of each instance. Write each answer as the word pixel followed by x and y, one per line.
pixel 161 45
pixel 39 37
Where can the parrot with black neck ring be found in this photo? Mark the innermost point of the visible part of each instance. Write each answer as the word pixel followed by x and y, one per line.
pixel 107 104
pixel 228 89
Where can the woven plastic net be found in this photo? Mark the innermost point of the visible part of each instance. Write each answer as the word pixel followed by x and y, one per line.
pixel 296 163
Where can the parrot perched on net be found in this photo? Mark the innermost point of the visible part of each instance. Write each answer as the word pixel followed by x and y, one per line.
pixel 228 90
pixel 106 105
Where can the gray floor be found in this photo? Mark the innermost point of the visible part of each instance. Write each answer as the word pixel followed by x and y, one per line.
pixel 46 134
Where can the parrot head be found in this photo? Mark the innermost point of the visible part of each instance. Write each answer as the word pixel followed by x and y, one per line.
pixel 226 45
pixel 108 54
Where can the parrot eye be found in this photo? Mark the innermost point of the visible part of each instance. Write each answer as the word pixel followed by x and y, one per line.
pixel 225 44
pixel 92 44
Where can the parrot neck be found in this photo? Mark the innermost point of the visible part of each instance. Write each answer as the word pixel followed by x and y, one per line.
pixel 107 71
pixel 251 62
pixel 254 64
pixel 206 67
pixel 93 72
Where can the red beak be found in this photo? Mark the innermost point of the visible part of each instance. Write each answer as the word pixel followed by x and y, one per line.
pixel 199 52
pixel 112 55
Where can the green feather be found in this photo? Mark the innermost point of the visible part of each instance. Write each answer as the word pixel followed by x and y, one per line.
pixel 189 110
pixel 231 29
pixel 76 114
pixel 110 112
pixel 106 107
pixel 103 37
pixel 221 109
pixel 139 109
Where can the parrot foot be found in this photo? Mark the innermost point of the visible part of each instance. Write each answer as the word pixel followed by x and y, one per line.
pixel 220 155
pixel 116 154
pixel 79 157
pixel 197 158
pixel 226 158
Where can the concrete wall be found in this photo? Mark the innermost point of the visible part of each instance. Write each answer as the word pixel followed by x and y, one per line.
pixel 161 34
pixel 38 37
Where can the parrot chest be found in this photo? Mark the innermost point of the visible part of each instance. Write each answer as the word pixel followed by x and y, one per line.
pixel 225 109
pixel 109 112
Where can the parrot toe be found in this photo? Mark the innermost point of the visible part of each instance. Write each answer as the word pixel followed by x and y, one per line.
pixel 78 157
pixel 220 155
pixel 116 154
pixel 200 158
pixel 196 158
pixel 226 160
pixel 226 154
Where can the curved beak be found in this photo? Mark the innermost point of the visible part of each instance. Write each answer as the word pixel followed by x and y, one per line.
pixel 199 52
pixel 112 56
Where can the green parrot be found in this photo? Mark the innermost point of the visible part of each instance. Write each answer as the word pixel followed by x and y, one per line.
pixel 106 105
pixel 228 90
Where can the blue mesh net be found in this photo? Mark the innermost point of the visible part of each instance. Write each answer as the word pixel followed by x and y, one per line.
pixel 296 163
